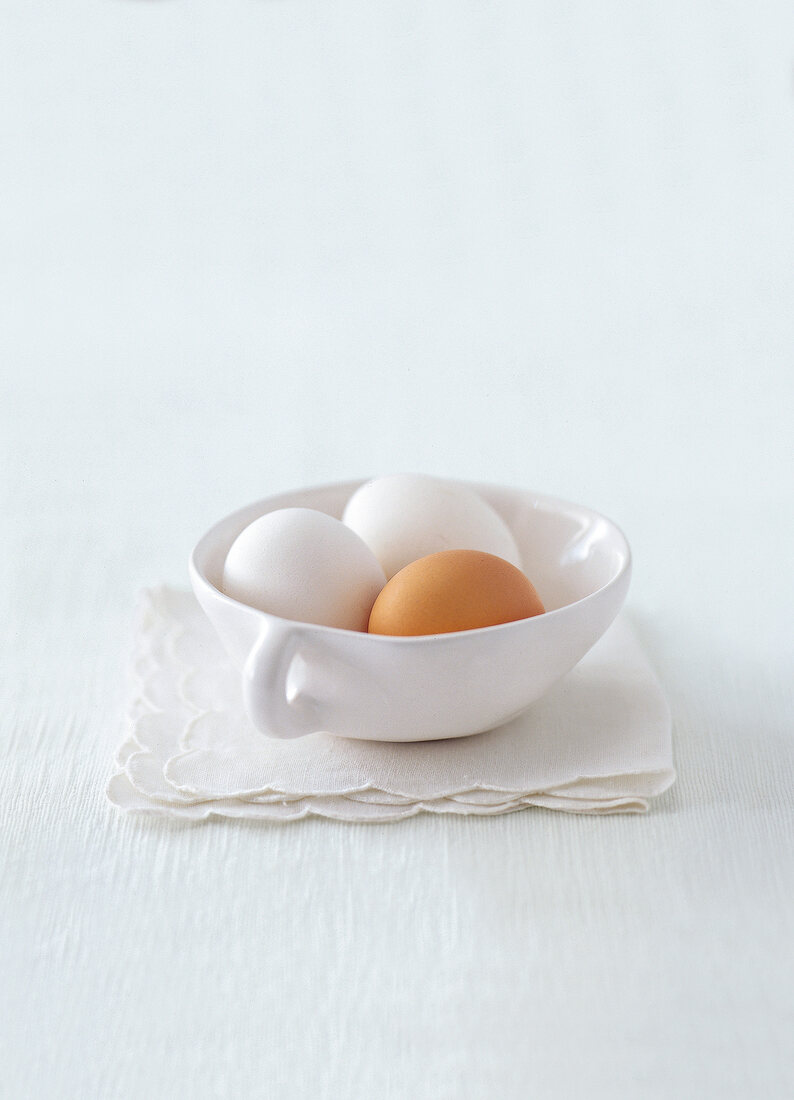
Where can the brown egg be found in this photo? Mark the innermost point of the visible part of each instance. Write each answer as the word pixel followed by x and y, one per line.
pixel 453 590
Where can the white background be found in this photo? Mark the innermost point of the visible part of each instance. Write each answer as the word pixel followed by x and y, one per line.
pixel 253 245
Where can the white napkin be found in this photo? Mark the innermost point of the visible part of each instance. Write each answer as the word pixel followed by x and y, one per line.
pixel 599 742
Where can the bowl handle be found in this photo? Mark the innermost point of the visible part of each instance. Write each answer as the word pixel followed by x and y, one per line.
pixel 265 685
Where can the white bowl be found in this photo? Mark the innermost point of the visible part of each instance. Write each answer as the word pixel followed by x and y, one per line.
pixel 299 678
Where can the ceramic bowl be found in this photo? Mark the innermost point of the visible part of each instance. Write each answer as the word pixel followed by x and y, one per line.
pixel 299 678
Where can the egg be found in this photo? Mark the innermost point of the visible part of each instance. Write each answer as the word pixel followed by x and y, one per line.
pixel 304 565
pixel 453 590
pixel 403 517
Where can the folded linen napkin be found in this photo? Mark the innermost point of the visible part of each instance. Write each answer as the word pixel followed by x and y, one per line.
pixel 599 742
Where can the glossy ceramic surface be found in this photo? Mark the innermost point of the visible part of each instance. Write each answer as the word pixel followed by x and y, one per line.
pixel 298 678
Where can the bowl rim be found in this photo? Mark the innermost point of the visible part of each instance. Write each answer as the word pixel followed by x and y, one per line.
pixel 197 574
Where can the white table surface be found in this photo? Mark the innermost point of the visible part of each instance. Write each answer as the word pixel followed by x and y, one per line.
pixel 254 245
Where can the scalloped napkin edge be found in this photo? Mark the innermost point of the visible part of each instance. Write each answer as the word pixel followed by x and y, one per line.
pixel 599 742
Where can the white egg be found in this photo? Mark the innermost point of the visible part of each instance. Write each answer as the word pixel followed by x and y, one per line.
pixel 407 516
pixel 304 565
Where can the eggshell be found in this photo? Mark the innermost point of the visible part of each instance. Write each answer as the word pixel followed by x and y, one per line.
pixel 304 565
pixel 453 590
pixel 408 516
